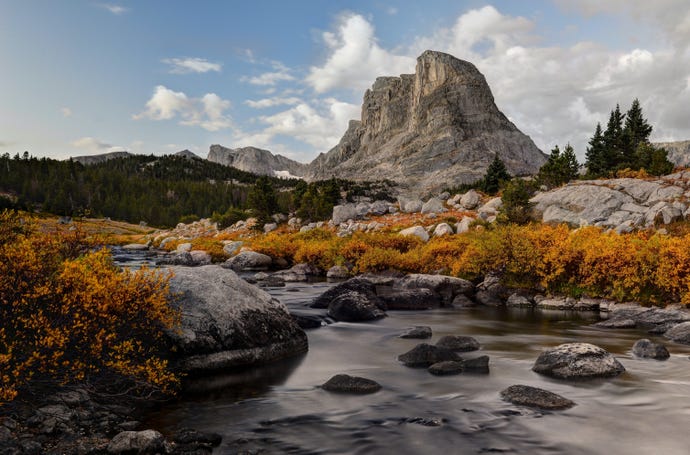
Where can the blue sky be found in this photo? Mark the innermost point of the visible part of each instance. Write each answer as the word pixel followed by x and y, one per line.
pixel 158 76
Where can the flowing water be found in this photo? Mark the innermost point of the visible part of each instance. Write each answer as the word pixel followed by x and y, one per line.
pixel 281 409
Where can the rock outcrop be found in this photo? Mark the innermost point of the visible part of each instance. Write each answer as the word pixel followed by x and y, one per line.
pixel 88 160
pixel 678 152
pixel 621 204
pixel 534 397
pixel 257 161
pixel 437 127
pixel 227 322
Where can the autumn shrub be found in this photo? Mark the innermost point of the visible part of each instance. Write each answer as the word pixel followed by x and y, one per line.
pixel 212 246
pixel 69 315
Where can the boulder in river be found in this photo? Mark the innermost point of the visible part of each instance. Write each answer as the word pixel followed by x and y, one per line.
pixel 577 361
pixel 248 260
pixel 344 383
pixel 227 322
pixel 679 333
pixel 425 355
pixel 477 364
pixel 649 350
pixel 534 397
pixel 357 284
pixel 355 306
pixel 458 343
pixel 446 286
pixel 408 299
pixel 419 332
pixel 446 368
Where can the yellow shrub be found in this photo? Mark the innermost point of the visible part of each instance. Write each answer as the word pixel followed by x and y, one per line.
pixel 70 317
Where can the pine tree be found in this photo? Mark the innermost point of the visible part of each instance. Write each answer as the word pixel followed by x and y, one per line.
pixel 560 167
pixel 635 132
pixel 571 167
pixel 596 159
pixel 614 140
pixel 495 175
pixel 262 200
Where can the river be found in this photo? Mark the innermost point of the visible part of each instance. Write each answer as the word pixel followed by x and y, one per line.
pixel 281 409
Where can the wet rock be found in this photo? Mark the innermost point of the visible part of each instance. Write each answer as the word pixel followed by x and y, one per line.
pixel 355 306
pixel 425 421
pixel 491 292
pixel 477 364
pixel 344 383
pixel 248 260
pixel 409 299
pixel 189 440
pixel 617 324
pixel 577 361
pixel 679 333
pixel 299 272
pixel 462 301
pixel 525 395
pixel 649 350
pixel 137 442
pixel 520 301
pixel 445 286
pixel 337 272
pixel 227 322
pixel 419 332
pixel 447 367
pixel 357 284
pixel 308 321
pixel 458 343
pixel 425 355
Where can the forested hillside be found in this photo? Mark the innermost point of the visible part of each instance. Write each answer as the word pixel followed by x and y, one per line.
pixel 158 190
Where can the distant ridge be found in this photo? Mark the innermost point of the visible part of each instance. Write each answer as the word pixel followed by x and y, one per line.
pixel 257 161
pixel 678 152
pixel 88 160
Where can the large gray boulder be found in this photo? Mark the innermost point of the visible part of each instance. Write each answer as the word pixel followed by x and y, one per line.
pixel 577 361
pixel 410 205
pixel 447 287
pixel 227 322
pixel 342 213
pixel 417 231
pixel 470 200
pixel 679 333
pixel 433 205
pixel 247 261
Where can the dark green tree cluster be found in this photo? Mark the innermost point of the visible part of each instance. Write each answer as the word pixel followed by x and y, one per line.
pixel 496 175
pixel 560 168
pixel 516 206
pixel 159 190
pixel 315 201
pixel 625 145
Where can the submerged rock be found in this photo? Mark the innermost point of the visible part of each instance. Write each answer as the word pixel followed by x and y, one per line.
pixel 577 361
pixel 525 395
pixel 227 322
pixel 649 350
pixel 458 343
pixel 418 332
pixel 447 367
pixel 477 365
pixel 425 355
pixel 344 383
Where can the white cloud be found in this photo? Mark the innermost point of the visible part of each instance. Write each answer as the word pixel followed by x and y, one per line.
pixel 208 112
pixel 191 65
pixel 272 102
pixel 321 129
pixel 355 58
pixel 94 145
pixel 114 9
pixel 66 112
pixel 280 73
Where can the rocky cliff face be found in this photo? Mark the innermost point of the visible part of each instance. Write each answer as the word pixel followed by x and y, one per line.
pixel 678 152
pixel 258 161
pixel 435 128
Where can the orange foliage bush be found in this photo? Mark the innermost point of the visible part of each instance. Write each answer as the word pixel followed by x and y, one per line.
pixel 68 314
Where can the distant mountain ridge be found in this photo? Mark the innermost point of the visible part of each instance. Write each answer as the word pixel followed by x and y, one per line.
pixel 257 161
pixel 678 151
pixel 88 160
